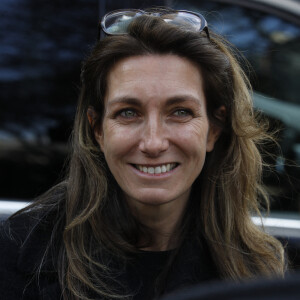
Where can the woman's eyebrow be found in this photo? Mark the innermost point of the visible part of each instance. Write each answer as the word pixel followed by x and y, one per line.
pixel 178 99
pixel 125 100
pixel 182 99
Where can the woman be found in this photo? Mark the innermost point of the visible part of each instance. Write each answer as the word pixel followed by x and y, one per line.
pixel 163 178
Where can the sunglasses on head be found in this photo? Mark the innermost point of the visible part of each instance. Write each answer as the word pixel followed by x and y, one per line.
pixel 117 22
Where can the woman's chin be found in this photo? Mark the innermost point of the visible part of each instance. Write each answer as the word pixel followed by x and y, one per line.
pixel 149 200
pixel 157 197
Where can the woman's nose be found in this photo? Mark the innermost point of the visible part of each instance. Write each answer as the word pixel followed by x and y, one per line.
pixel 153 140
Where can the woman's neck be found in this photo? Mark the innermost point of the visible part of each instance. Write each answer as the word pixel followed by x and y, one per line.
pixel 163 222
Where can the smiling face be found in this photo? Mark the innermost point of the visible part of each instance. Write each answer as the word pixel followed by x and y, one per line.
pixel 155 131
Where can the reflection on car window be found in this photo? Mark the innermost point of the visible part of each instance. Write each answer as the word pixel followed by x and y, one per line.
pixel 41 48
pixel 268 42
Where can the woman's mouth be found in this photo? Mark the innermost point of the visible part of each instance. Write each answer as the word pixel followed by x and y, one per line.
pixel 156 169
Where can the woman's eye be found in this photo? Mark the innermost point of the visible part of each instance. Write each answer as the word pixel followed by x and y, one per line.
pixel 182 113
pixel 128 113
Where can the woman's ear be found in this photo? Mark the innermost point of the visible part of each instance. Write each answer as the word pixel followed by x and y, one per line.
pixel 92 116
pixel 215 130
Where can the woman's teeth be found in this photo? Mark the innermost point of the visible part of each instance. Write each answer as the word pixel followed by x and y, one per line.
pixel 157 169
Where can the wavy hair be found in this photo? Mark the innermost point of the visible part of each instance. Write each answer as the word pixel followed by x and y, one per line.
pixel 228 189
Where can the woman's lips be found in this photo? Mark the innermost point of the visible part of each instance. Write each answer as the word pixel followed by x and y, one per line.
pixel 158 169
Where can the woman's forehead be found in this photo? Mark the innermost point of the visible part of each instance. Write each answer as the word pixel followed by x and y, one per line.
pixel 158 76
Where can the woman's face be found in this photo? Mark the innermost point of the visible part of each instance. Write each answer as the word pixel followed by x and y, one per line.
pixel 155 131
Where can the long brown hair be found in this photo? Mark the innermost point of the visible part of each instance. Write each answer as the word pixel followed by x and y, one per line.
pixel 96 221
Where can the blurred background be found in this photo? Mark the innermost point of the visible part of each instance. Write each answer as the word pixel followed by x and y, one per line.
pixel 42 44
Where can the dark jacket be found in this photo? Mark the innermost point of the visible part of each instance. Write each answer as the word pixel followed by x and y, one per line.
pixel 24 239
pixel 23 242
